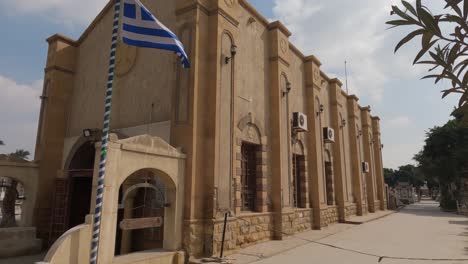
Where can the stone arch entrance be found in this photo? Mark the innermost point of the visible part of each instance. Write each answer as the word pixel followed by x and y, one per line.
pixel 72 194
pixel 141 211
pixel 135 166
pixel 80 183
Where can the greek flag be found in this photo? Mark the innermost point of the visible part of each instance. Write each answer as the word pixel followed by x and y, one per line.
pixel 140 28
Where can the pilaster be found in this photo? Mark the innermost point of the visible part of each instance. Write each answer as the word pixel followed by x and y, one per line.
pixel 58 80
pixel 338 166
pixel 315 143
pixel 368 156
pixel 280 139
pixel 354 131
pixel 378 162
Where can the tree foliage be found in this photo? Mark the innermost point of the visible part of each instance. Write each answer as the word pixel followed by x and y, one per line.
pixel 2 143
pixel 20 154
pixel 443 39
pixel 407 173
pixel 444 159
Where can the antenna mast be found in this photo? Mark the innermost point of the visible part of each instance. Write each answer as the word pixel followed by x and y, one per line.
pixel 346 75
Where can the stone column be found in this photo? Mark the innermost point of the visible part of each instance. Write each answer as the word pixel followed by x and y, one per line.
pixel 279 67
pixel 378 162
pixel 368 157
pixel 315 139
pixel 354 127
pixel 58 86
pixel 335 105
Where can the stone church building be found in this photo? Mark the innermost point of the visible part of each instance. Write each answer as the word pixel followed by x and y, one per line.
pixel 253 129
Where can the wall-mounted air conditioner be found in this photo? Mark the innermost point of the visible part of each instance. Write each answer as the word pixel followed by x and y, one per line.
pixel 299 122
pixel 329 135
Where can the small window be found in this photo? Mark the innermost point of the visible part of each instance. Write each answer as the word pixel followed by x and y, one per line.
pixel 249 176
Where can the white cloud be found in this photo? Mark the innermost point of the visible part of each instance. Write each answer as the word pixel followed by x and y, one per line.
pixel 398 122
pixel 396 155
pixel 19 108
pixel 355 31
pixel 64 11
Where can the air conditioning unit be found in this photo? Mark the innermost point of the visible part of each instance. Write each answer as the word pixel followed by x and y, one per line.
pixel 365 167
pixel 329 135
pixel 299 122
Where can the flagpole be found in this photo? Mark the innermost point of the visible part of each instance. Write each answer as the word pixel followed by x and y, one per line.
pixel 105 137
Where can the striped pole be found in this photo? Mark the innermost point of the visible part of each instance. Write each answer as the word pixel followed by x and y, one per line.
pixel 105 136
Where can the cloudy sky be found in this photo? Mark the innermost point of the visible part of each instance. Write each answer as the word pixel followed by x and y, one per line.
pixel 332 30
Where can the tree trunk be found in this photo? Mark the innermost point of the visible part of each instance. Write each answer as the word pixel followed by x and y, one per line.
pixel 8 206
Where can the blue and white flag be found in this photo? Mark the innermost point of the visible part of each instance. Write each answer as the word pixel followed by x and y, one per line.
pixel 140 28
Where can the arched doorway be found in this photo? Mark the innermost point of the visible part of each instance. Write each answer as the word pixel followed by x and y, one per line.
pixel 72 198
pixel 80 181
pixel 140 217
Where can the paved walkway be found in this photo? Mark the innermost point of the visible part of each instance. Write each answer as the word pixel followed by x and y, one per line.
pixel 419 234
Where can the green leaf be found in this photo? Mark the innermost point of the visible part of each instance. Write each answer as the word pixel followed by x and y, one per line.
pixel 410 7
pixel 451 90
pixel 463 99
pixel 424 51
pixel 465 9
pixel 426 39
pixel 429 21
pixel 452 55
pixel 402 14
pixel 430 76
pixel 399 23
pixel 454 5
pixel 409 37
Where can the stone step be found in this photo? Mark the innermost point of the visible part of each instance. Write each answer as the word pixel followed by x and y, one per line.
pixel 22 247
pixel 17 233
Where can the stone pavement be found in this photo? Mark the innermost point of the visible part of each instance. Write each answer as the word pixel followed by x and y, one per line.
pixel 418 234
pixel 23 260
pixel 271 248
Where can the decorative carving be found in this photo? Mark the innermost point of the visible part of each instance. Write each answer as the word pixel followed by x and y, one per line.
pixel 229 3
pixel 316 73
pixel 284 46
pixel 125 59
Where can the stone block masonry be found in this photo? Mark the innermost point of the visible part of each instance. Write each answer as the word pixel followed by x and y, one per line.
pixel 298 221
pixel 328 216
pixel 351 210
pixel 243 231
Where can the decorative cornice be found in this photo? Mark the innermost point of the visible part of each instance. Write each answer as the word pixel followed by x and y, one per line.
pixel 325 76
pixel 296 51
pixel 337 81
pixel 254 12
pixel 60 37
pixel 313 59
pixel 353 97
pixel 278 25
pixel 58 68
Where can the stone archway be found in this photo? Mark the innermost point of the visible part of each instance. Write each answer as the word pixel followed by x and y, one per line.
pixel 141 211
pixel 72 194
pixel 127 158
pixel 26 175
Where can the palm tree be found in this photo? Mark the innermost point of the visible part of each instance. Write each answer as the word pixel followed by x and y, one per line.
pixel 20 153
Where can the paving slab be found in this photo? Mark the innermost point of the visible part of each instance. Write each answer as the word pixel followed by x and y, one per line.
pixel 270 249
pixel 418 234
